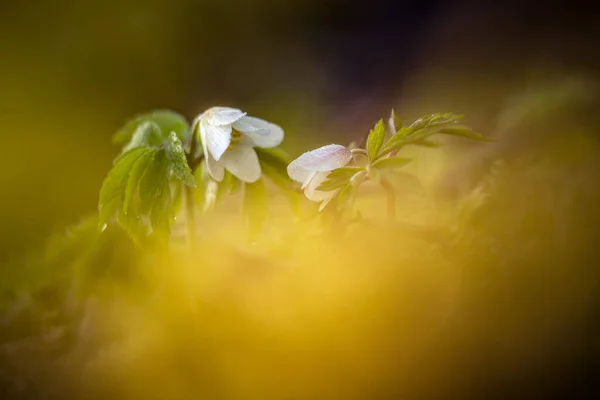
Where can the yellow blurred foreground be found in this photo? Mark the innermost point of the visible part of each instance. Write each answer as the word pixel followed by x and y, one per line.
pixel 492 292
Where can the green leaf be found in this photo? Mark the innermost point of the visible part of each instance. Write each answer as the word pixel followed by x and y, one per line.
pixel 254 207
pixel 328 185
pixel 138 186
pixel 113 187
pixel 396 141
pixel 179 165
pixel 465 132
pixel 433 120
pixel 154 180
pixel 167 121
pixel 338 178
pixel 375 140
pixel 161 214
pixel 419 131
pixel 391 163
pixel 136 173
pixel 155 194
pixel 146 134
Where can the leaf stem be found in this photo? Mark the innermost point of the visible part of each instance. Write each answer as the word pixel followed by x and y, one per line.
pixel 360 151
pixel 391 198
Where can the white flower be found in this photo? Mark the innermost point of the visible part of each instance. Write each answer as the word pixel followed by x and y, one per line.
pixel 313 167
pixel 228 139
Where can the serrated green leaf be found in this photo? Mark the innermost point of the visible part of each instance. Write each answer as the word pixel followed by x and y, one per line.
pixel 131 222
pixel 137 172
pixel 254 207
pixel 152 184
pixel 419 131
pixel 433 120
pixel 161 214
pixel 465 132
pixel 328 185
pixel 391 163
pixel 178 162
pixel 146 134
pixel 168 121
pixel 396 140
pixel 338 178
pixel 138 187
pixel 375 140
pixel 154 180
pixel 113 187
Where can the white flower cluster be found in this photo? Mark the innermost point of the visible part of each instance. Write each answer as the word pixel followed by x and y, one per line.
pixel 228 138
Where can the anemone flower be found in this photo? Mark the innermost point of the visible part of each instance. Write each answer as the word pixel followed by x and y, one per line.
pixel 313 167
pixel 228 139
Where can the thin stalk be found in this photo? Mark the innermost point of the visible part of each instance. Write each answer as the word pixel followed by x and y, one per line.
pixel 193 163
pixel 360 151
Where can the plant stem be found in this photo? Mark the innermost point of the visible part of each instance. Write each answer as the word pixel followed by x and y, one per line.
pixel 193 163
pixel 360 151
pixel 391 198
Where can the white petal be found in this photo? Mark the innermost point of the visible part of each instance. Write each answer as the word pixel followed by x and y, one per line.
pixel 219 116
pixel 259 132
pixel 217 138
pixel 326 158
pixel 242 162
pixel 311 191
pixel 308 179
pixel 215 168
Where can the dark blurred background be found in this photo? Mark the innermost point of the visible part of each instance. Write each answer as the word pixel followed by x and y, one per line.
pixel 72 72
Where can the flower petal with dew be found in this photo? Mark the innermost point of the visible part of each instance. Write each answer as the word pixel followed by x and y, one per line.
pixel 313 167
pixel 228 138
